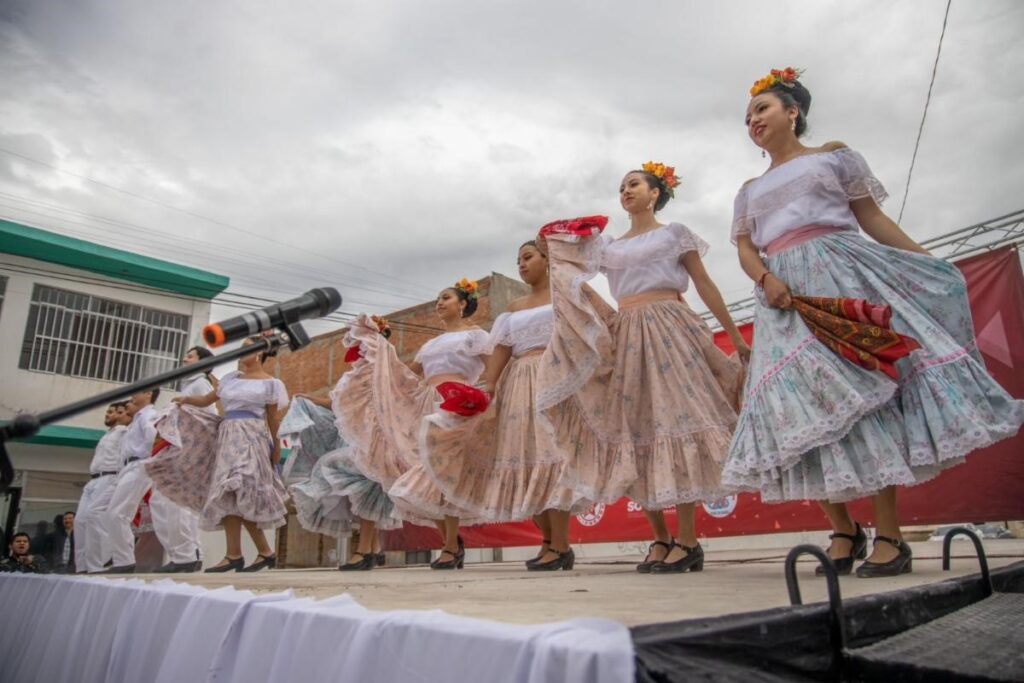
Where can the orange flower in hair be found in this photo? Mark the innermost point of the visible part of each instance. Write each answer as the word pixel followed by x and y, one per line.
pixel 666 174
pixel 785 77
pixel 382 325
pixel 470 287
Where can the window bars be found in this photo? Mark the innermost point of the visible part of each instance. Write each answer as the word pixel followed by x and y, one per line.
pixel 80 335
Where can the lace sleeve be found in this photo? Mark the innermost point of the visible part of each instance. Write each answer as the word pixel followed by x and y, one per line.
pixel 277 394
pixel 690 241
pixel 500 332
pixel 855 177
pixel 742 220
pixel 478 343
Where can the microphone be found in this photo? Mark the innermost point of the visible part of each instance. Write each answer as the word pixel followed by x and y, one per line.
pixel 315 303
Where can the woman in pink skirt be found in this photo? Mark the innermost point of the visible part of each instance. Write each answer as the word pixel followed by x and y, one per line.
pixel 644 402
pixel 381 403
pixel 502 465
pixel 224 468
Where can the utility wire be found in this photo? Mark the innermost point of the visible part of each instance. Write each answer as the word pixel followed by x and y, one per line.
pixel 193 214
pixel 924 114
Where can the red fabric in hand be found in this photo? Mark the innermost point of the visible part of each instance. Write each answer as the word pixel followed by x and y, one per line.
pixel 353 353
pixel 584 226
pixel 462 399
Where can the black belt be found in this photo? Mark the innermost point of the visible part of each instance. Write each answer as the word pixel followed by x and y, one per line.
pixel 132 460
pixel 102 474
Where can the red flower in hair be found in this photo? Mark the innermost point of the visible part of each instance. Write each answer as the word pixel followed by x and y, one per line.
pixel 462 399
pixel 584 226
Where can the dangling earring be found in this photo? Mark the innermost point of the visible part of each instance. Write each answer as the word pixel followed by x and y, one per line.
pixel 762 154
pixel 792 126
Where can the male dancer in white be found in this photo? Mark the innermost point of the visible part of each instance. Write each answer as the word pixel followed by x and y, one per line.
pixel 91 546
pixel 181 524
pixel 132 482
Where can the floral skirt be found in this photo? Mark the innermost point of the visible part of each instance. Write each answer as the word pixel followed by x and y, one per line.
pixel 814 426
pixel 500 466
pixel 335 494
pixel 642 400
pixel 378 405
pixel 219 468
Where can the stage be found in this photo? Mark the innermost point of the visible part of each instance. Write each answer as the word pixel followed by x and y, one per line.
pixel 601 623
pixel 732 581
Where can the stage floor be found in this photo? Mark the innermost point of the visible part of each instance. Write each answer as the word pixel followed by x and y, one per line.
pixel 732 581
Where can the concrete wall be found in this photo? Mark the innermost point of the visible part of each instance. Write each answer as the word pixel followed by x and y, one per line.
pixel 37 391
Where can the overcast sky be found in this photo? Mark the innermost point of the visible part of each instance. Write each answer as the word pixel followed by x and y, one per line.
pixel 390 148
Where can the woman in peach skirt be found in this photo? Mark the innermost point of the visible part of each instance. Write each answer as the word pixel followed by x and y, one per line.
pixel 645 398
pixel 381 403
pixel 514 468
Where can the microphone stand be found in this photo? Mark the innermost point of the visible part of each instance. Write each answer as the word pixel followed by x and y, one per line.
pixel 26 425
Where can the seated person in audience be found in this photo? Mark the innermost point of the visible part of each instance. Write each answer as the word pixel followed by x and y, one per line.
pixel 20 560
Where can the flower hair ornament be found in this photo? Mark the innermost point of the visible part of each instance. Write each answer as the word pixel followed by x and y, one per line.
pixel 787 78
pixel 382 326
pixel 471 288
pixel 666 174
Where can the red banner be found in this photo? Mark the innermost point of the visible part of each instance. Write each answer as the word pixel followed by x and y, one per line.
pixel 988 487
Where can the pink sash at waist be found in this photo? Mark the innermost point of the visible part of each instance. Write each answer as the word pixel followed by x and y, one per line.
pixel 795 238
pixel 650 297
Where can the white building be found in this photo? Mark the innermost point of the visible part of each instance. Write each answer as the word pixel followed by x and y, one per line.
pixel 77 319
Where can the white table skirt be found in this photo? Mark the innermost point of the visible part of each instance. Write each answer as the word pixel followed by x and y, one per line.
pixel 59 628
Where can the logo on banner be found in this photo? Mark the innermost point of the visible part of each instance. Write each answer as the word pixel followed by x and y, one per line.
pixel 723 507
pixel 592 516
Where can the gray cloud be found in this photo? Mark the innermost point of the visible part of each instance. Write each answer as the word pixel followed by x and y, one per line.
pixel 391 147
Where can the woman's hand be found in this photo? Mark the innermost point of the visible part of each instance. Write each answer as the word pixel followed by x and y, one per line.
pixel 742 349
pixel 776 292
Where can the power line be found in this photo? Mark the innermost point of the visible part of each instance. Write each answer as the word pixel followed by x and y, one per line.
pixel 924 114
pixel 229 299
pixel 193 214
pixel 177 244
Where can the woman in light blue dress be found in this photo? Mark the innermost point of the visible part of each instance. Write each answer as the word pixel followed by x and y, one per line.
pixel 814 426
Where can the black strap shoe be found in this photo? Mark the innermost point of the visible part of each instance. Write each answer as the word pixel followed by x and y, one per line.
pixel 458 558
pixel 262 562
pixel 232 565
pixel 563 560
pixel 844 565
pixel 122 569
pixel 645 566
pixel 693 561
pixel 546 543
pixel 363 564
pixel 379 559
pixel 901 564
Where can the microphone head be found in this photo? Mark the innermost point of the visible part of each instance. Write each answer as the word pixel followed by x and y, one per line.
pixel 328 298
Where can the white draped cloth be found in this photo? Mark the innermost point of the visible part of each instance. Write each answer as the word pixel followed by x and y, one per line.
pixel 128 630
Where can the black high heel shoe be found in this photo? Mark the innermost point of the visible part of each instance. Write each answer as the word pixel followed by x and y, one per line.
pixel 534 560
pixel 645 566
pixel 457 561
pixel 693 561
pixel 901 564
pixel 379 559
pixel 844 565
pixel 564 560
pixel 235 565
pixel 365 563
pixel 262 562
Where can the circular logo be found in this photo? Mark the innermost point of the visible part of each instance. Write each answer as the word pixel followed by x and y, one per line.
pixel 592 516
pixel 723 507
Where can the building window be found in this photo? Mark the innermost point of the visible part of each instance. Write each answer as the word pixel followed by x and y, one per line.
pixel 80 335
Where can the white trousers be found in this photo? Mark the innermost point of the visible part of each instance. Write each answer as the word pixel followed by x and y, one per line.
pixel 132 484
pixel 91 546
pixel 176 528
